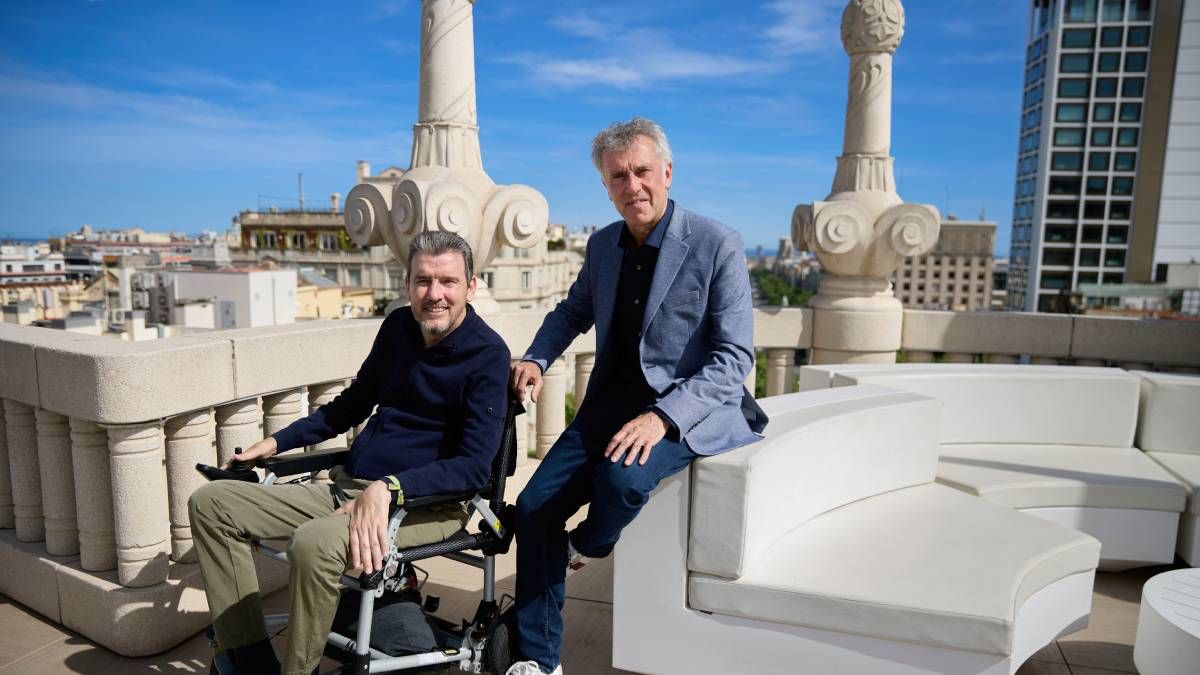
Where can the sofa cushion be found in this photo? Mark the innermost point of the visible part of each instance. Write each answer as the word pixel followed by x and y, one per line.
pixel 1021 404
pixel 1169 417
pixel 925 564
pixel 1031 476
pixel 823 449
pixel 1185 466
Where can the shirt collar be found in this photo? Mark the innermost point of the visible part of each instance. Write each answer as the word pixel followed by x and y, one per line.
pixel 656 235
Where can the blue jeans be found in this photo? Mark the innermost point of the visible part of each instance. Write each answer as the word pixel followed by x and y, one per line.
pixel 575 472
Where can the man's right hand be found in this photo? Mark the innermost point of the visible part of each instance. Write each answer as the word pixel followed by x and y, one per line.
pixel 259 451
pixel 526 374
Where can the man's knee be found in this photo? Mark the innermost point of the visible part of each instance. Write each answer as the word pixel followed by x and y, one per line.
pixel 620 484
pixel 205 501
pixel 316 543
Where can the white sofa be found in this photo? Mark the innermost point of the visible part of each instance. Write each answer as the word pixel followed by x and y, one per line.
pixel 1169 432
pixel 829 548
pixel 1051 441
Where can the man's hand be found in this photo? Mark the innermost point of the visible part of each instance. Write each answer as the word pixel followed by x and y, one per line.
pixel 368 526
pixel 638 436
pixel 260 450
pixel 526 374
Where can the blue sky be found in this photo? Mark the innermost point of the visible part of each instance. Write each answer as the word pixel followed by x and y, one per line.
pixel 177 115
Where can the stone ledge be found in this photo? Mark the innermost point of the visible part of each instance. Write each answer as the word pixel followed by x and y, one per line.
pixel 116 382
pixel 30 576
pixel 1152 341
pixel 987 332
pixel 783 328
pixel 18 360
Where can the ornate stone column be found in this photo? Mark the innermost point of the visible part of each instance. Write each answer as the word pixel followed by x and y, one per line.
pixel 280 410
pixel 780 363
pixel 23 470
pixel 552 407
pixel 58 483
pixel 239 425
pixel 139 489
pixel 93 496
pixel 7 520
pixel 446 187
pixel 863 230
pixel 584 363
pixel 190 439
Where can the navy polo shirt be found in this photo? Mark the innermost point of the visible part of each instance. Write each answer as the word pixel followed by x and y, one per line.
pixel 632 394
pixel 440 409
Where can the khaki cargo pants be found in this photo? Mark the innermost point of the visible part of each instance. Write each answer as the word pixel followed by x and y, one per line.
pixel 226 515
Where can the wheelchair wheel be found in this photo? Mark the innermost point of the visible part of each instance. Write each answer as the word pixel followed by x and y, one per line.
pixel 498 652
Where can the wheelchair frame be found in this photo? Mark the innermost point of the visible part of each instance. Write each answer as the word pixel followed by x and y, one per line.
pixel 476 652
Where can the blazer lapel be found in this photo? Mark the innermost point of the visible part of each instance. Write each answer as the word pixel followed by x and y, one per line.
pixel 604 292
pixel 670 259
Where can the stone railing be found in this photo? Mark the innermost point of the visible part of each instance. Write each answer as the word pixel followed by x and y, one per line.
pixel 99 437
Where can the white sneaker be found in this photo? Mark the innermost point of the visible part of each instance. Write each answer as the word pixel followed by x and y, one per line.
pixel 530 668
pixel 575 559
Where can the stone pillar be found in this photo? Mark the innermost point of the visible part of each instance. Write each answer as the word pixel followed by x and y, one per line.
pixel 552 407
pixel 139 489
pixel 584 363
pixel 915 356
pixel 190 440
pixel 58 483
pixel 7 519
pixel 280 410
pixel 319 395
pixel 23 470
pixel 959 357
pixel 752 377
pixel 1003 358
pixel 446 187
pixel 93 496
pixel 863 230
pixel 239 425
pixel 780 363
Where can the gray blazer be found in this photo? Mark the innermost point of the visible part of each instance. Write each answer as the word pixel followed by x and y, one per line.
pixel 697 342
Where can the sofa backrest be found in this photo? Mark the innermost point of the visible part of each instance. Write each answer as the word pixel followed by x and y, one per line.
pixel 823 449
pixel 1063 405
pixel 1169 415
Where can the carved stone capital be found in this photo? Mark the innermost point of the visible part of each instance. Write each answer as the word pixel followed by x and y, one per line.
pixel 872 26
pixel 850 242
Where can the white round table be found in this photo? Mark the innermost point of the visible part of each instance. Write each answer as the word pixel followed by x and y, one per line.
pixel 1168 632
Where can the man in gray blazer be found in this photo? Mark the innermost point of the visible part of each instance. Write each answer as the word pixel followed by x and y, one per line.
pixel 669 295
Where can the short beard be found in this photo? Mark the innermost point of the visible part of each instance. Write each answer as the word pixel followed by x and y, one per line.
pixel 432 329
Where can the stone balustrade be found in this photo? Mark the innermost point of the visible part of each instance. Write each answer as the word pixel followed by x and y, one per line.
pixel 99 437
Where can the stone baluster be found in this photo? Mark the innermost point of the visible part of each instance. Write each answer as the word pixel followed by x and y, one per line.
pixel 190 440
pixel 780 364
pixel 1090 363
pixel 1045 361
pixel 58 483
pixel 959 357
pixel 140 516
pixel 239 425
pixel 552 407
pixel 280 410
pixel 1002 358
pixel 752 377
pixel 23 470
pixel 862 231
pixel 7 520
pixel 319 395
pixel 93 496
pixel 917 356
pixel 584 363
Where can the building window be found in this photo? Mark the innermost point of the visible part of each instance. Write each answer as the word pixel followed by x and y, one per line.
pixel 1102 136
pixel 1062 209
pixel 1135 62
pixel 1127 137
pixel 1113 10
pixel 1064 185
pixel 1060 234
pixel 1139 36
pixel 1106 87
pixel 1068 136
pixel 1110 37
pixel 1079 63
pixel 1097 185
pixel 1093 211
pixel 1075 87
pixel 1089 257
pixel 526 280
pixel 1122 186
pixel 1079 11
pixel 1118 234
pixel 1125 161
pixel 1114 258
pixel 1071 112
pixel 1139 10
pixel 1132 87
pixel 298 240
pixel 1088 277
pixel 1066 161
pixel 1078 38
pixel 1131 112
pixel 1092 234
pixel 1110 62
pixel 1098 161
pixel 354 277
pixel 1118 211
pixel 1103 112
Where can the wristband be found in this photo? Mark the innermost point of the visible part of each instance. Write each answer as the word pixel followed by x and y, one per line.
pixel 394 486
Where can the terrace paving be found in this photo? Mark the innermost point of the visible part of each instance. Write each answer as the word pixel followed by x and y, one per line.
pixel 31 645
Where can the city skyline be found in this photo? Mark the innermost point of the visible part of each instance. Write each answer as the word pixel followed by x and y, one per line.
pixel 177 118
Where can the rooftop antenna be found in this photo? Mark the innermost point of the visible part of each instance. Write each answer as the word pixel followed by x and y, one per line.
pixel 983 213
pixel 947 211
pixel 300 178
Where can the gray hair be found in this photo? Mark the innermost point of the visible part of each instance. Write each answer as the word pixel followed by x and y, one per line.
pixel 618 136
pixel 437 242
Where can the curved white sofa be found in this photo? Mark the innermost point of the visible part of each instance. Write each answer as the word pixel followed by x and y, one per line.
pixel 1169 433
pixel 828 548
pixel 1051 441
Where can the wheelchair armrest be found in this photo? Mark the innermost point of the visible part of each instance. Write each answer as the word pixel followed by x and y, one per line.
pixel 307 462
pixel 432 500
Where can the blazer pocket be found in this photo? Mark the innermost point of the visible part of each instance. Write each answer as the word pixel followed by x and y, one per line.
pixel 683 298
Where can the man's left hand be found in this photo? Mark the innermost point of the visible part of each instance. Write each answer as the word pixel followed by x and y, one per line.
pixel 638 437
pixel 368 526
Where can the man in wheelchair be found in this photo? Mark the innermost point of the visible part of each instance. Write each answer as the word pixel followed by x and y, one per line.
pixel 438 377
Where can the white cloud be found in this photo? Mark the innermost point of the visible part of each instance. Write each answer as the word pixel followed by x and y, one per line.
pixel 960 27
pixel 804 26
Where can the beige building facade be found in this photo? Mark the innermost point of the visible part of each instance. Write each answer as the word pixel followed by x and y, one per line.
pixel 956 274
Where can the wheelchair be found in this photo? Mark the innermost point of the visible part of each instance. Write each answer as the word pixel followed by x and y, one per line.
pixel 481 645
